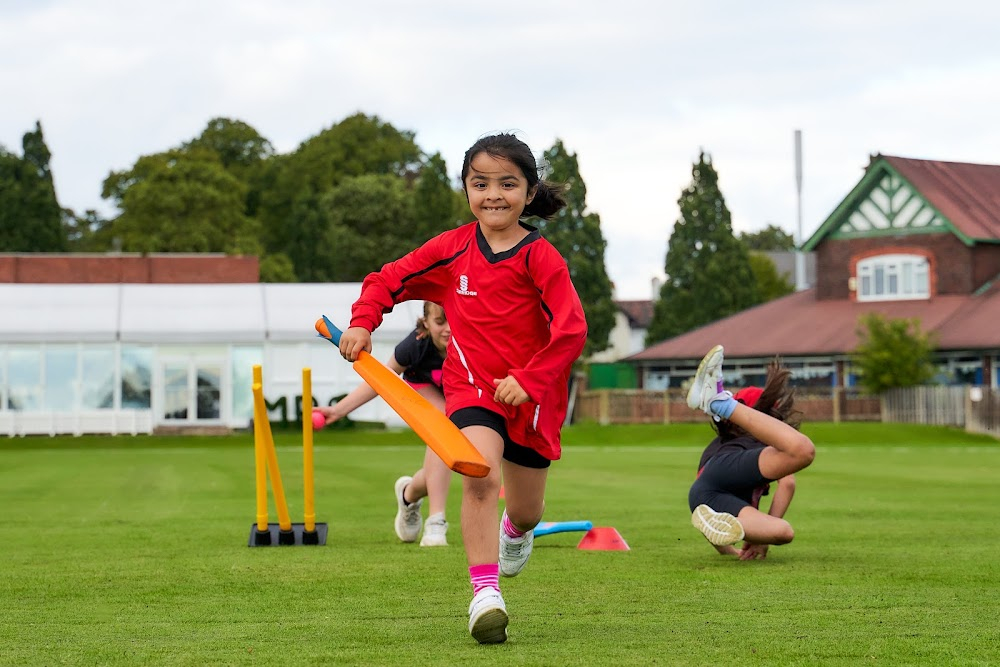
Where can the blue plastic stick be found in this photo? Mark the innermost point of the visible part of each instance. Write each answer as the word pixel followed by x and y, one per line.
pixel 547 527
pixel 335 333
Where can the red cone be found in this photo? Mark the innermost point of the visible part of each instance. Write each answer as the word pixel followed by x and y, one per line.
pixel 603 539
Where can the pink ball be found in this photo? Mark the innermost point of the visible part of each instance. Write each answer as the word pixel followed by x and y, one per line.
pixel 319 421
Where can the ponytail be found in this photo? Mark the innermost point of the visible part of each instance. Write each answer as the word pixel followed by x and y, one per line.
pixel 548 200
pixel 776 400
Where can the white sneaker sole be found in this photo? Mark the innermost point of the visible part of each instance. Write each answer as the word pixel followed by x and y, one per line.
pixel 719 528
pixel 714 357
pixel 489 626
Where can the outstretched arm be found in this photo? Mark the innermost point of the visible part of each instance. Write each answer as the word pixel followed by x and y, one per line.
pixel 356 398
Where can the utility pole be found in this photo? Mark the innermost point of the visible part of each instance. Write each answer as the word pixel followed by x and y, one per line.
pixel 800 257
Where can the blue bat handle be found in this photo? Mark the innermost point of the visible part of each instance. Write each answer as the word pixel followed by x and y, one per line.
pixel 335 333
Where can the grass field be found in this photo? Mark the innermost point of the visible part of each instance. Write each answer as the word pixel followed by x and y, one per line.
pixel 132 551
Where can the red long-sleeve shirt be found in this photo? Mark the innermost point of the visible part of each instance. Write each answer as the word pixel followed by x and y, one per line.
pixel 514 312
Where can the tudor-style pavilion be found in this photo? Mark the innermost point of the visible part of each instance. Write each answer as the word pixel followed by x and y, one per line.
pixel 913 239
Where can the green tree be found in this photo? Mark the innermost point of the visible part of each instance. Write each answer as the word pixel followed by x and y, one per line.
pixel 14 229
pixel 370 223
pixel 356 146
pixel 708 272
pixel 86 233
pixel 307 246
pixel 771 238
pixel 239 146
pixel 460 208
pixel 892 353
pixel 433 200
pixel 770 284
pixel 277 268
pixel 181 201
pixel 576 234
pixel 31 219
pixel 243 152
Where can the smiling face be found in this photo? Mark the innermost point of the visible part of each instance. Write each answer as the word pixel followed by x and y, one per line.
pixel 437 327
pixel 497 191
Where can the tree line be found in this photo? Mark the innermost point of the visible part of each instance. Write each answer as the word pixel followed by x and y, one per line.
pixel 362 193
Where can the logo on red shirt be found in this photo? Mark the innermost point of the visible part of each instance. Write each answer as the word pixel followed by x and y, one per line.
pixel 463 286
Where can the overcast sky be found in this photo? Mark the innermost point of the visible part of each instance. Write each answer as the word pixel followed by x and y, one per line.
pixel 635 89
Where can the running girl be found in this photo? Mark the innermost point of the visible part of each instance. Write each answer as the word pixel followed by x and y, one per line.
pixel 517 327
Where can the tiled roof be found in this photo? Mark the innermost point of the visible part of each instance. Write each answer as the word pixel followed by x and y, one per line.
pixel 801 325
pixel 639 313
pixel 967 194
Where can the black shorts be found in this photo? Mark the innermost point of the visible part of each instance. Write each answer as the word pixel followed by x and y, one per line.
pixel 727 481
pixel 513 452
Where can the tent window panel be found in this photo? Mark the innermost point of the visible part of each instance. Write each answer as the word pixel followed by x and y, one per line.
pixel 24 377
pixel 175 391
pixel 209 391
pixel 243 361
pixel 60 379
pixel 137 371
pixel 97 384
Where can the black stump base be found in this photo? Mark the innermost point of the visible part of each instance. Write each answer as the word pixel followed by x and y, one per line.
pixel 296 537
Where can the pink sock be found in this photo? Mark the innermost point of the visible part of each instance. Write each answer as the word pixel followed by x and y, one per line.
pixel 485 576
pixel 510 528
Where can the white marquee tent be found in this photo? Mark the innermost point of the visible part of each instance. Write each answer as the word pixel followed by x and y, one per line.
pixel 133 358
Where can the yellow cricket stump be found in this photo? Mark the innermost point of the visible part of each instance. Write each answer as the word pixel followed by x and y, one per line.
pixel 309 535
pixel 266 465
pixel 260 467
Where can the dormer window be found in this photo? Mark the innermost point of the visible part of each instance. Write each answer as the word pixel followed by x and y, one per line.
pixel 893 278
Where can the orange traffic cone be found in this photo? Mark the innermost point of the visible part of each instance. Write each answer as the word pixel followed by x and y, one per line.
pixel 603 539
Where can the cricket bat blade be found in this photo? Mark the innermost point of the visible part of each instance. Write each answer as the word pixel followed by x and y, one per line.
pixel 430 424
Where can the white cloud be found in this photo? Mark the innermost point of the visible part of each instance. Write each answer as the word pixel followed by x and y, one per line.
pixel 636 89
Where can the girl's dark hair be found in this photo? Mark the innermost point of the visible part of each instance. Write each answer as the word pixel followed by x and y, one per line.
pixel 548 198
pixel 777 400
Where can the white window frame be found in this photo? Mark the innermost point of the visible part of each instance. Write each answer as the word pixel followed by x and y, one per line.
pixel 896 277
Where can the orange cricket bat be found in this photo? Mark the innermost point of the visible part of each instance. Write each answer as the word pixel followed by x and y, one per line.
pixel 430 424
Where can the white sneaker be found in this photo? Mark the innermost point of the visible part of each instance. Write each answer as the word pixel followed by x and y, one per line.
pixel 720 528
pixel 514 551
pixel 407 516
pixel 488 617
pixel 707 382
pixel 435 530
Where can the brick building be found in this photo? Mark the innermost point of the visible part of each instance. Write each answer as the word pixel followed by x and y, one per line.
pixel 914 239
pixel 169 268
